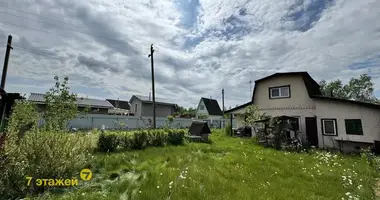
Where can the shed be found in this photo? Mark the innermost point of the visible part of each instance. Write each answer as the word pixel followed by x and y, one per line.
pixel 199 128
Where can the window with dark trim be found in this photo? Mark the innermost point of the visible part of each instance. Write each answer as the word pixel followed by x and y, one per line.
pixel 201 107
pixel 354 126
pixel 329 127
pixel 279 92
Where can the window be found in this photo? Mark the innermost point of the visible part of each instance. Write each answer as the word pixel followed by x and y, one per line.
pixel 135 108
pixel 329 127
pixel 354 126
pixel 279 92
pixel 295 123
pixel 201 107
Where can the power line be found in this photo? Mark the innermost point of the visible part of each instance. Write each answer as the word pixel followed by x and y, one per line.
pixel 41 53
pixel 65 28
pixel 49 32
pixel 47 18
pixel 37 52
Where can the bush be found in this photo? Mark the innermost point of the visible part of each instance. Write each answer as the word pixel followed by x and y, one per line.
pixel 125 141
pixel 139 140
pixel 23 114
pixel 157 138
pixel 176 137
pixel 108 142
pixel 227 129
pixel 40 155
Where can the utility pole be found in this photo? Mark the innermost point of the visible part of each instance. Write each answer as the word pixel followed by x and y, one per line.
pixel 223 100
pixel 6 59
pixel 223 107
pixel 250 89
pixel 3 78
pixel 153 93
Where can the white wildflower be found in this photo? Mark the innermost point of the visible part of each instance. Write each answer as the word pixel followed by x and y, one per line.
pixel 347 193
pixel 158 186
pixel 140 191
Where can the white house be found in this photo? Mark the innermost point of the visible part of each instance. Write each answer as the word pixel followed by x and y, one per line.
pixel 324 121
pixel 143 106
pixel 210 107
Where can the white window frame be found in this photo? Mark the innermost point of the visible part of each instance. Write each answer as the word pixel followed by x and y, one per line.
pixel 335 127
pixel 201 107
pixel 136 108
pixel 279 92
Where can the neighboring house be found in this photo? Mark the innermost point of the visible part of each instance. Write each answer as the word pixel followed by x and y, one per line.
pixel 324 121
pixel 143 106
pixel 210 107
pixel 96 106
pixel 120 107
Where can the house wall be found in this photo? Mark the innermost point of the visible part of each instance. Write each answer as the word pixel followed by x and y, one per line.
pixel 340 111
pixel 161 110
pixel 298 105
pixel 136 102
pixel 299 97
pixel 238 117
pixel 199 111
pixel 301 113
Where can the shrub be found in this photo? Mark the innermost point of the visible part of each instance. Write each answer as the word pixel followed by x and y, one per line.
pixel 157 138
pixel 176 137
pixel 139 140
pixel 40 155
pixel 125 141
pixel 108 142
pixel 23 114
pixel 227 129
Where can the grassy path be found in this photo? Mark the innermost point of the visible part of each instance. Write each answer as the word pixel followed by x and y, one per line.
pixel 230 168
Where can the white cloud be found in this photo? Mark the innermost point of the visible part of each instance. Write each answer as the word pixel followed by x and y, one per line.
pixel 229 44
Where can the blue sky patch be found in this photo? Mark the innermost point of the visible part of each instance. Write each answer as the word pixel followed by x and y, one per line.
pixel 367 63
pixel 190 11
pixel 306 15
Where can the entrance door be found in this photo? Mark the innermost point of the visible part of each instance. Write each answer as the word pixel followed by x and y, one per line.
pixel 311 130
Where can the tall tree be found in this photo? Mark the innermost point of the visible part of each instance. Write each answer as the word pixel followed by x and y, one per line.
pixel 359 89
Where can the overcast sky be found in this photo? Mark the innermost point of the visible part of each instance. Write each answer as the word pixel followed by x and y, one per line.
pixel 201 46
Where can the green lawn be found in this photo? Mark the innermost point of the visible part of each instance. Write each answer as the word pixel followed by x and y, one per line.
pixel 230 168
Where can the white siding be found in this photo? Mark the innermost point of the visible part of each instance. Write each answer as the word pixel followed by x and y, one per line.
pixel 136 103
pixel 340 111
pixel 301 113
pixel 299 97
pixel 199 111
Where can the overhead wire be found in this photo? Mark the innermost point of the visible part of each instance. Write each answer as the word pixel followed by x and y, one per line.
pixel 43 17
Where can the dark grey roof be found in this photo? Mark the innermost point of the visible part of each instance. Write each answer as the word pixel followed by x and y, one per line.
pixel 146 99
pixel 212 106
pixel 119 103
pixel 97 103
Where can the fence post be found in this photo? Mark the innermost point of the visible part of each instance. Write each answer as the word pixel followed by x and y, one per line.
pixel 92 122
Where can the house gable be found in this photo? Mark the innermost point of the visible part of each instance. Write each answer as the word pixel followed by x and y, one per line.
pixel 209 107
pixel 285 91
pixel 201 109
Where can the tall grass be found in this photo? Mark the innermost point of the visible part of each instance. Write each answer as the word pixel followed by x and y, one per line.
pixel 230 168
pixel 41 155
